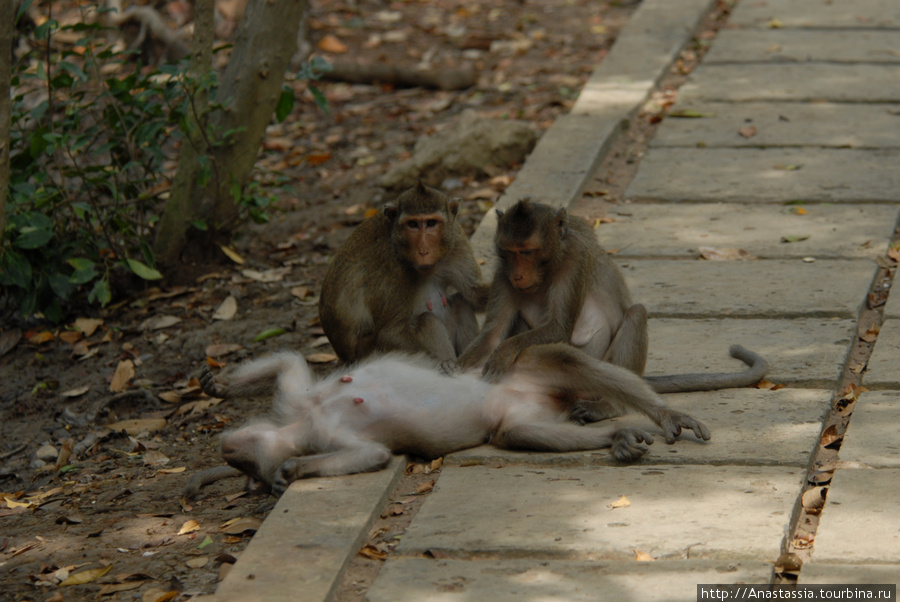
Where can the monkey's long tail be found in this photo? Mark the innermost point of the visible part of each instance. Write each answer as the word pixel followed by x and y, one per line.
pixel 679 383
pixel 205 477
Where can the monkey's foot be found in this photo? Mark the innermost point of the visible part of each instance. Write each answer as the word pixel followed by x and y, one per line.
pixel 209 386
pixel 629 444
pixel 673 423
pixel 585 411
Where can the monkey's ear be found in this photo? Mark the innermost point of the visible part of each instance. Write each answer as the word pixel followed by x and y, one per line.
pixel 453 205
pixel 390 211
pixel 562 222
pixel 421 188
pixel 499 213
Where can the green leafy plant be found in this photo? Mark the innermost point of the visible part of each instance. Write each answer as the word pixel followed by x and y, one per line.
pixel 91 129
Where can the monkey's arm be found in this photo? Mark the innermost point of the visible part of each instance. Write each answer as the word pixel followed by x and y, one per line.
pixel 677 383
pixel 362 457
pixel 563 306
pixel 501 316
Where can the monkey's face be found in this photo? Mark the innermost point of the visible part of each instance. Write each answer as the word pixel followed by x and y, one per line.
pixel 422 240
pixel 524 266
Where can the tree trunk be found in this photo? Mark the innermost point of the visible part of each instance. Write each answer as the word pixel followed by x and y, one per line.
pixel 7 19
pixel 249 88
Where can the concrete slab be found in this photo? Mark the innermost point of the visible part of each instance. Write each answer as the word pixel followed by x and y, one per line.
pixel 547 580
pixel 677 231
pixel 772 175
pixel 749 427
pixel 309 537
pixel 783 124
pixel 750 288
pixel 790 45
pixel 821 573
pixel 807 352
pixel 883 370
pixel 860 523
pixel 892 307
pixel 724 513
pixel 818 13
pixel 568 153
pixel 873 436
pixel 793 81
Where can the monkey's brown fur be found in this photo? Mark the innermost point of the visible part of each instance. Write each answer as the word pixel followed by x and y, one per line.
pixel 555 283
pixel 405 280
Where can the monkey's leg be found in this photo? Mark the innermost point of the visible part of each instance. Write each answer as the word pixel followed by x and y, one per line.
pixel 461 323
pixel 363 457
pixel 631 341
pixel 566 369
pixel 627 349
pixel 431 334
pixel 627 444
pixel 258 377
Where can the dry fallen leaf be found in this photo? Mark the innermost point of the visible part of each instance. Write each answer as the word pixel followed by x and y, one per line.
pixel 124 374
pixel 227 309
pixel 197 563
pixel 373 553
pixel 159 322
pixel 830 436
pixel 39 338
pixel 189 527
pixel 87 326
pixel 76 392
pixel 232 255
pixel 273 275
pixel 425 487
pixel 240 525
pixel 87 576
pixel 332 44
pixel 155 458
pixel 724 254
pixel 321 358
pixel 70 336
pixel 870 335
pixel 137 426
pixel 643 556
pixel 813 499
pixel 622 502
pixel 222 349
pixel 748 131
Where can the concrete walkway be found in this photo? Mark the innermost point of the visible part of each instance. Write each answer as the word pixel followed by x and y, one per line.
pixel 820 82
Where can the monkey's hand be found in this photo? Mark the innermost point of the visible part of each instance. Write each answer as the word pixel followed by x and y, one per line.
pixel 498 364
pixel 450 367
pixel 209 386
pixel 673 422
pixel 629 444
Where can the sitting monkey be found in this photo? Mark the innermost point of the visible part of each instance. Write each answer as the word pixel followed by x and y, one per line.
pixel 354 420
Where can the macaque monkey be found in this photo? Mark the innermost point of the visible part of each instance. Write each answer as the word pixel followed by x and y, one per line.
pixel 555 284
pixel 406 280
pixel 354 420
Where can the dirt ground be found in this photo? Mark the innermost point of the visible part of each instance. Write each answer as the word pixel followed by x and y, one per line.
pixel 102 422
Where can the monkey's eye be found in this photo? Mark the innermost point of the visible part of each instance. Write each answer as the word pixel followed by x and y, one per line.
pixel 412 224
pixel 527 253
pixel 431 223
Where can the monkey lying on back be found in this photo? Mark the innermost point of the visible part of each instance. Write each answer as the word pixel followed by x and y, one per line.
pixel 353 421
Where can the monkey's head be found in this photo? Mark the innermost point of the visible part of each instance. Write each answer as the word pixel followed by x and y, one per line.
pixel 528 242
pixel 258 451
pixel 423 228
